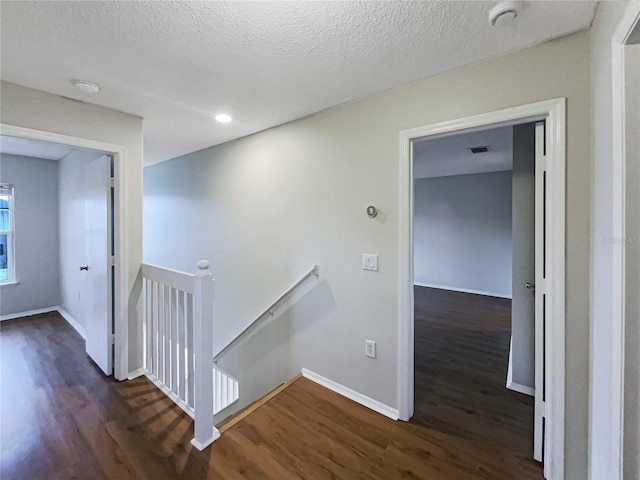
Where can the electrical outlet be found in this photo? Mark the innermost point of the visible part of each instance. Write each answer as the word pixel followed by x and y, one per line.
pixel 370 348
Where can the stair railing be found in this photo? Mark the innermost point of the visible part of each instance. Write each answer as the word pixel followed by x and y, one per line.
pixel 314 271
pixel 178 335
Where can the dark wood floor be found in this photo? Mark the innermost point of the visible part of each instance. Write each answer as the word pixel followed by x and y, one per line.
pixel 461 360
pixel 60 418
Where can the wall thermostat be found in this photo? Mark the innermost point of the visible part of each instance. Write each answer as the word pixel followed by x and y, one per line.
pixel 372 211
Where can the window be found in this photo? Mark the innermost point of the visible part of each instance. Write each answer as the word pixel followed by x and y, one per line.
pixel 7 264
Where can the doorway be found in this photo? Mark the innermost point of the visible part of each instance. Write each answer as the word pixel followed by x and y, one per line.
pixel 553 114
pixel 99 164
pixel 474 296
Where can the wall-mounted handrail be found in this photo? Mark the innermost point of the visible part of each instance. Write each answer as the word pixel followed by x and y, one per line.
pixel 314 271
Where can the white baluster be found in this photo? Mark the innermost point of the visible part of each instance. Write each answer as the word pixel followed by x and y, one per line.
pixel 173 322
pixel 203 293
pixel 189 354
pixel 182 347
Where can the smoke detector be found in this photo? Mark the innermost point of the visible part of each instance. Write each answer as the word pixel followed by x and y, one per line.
pixel 504 13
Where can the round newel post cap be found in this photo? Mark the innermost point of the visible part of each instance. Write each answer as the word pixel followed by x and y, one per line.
pixel 203 265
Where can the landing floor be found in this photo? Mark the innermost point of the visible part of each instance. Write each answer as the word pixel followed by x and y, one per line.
pixel 60 418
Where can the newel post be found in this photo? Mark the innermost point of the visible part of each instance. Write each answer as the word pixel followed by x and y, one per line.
pixel 203 293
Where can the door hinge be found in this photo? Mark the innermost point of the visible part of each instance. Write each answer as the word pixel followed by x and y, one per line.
pixel 112 182
pixel 112 261
pixel 113 339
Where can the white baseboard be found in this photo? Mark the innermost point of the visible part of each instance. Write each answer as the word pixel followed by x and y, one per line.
pixel 28 313
pixel 136 373
pixel 463 290
pixel 72 321
pixel 357 397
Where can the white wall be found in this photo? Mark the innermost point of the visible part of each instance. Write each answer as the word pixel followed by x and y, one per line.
pixel 265 208
pixel 35 184
pixel 72 232
pixel 26 107
pixel 462 232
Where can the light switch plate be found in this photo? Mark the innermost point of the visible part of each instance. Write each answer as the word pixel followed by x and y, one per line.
pixel 370 262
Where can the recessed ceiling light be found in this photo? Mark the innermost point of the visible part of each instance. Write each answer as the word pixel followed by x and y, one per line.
pixel 223 118
pixel 86 87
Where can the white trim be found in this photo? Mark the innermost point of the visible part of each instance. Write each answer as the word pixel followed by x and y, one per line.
pixel 463 290
pixel 614 383
pixel 72 321
pixel 553 111
pixel 136 373
pixel 161 386
pixel 202 446
pixel 121 300
pixel 357 397
pixel 28 313
pixel 63 313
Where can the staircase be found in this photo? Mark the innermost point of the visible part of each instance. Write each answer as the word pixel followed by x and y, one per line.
pixel 178 338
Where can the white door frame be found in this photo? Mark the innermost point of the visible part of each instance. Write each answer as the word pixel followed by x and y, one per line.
pixel 622 128
pixel 553 111
pixel 119 152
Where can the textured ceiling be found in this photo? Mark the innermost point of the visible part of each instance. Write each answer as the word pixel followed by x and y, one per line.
pixel 265 63
pixel 449 155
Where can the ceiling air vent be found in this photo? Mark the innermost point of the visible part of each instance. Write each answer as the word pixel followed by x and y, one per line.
pixel 483 149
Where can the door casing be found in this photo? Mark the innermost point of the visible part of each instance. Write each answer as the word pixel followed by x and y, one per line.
pixel 554 114
pixel 607 429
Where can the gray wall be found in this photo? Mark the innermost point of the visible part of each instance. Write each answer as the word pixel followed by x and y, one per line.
pixel 36 233
pixel 266 207
pixel 523 303
pixel 462 232
pixel 72 232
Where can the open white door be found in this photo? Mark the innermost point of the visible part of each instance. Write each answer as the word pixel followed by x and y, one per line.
pixel 521 372
pixel 539 409
pixel 98 242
